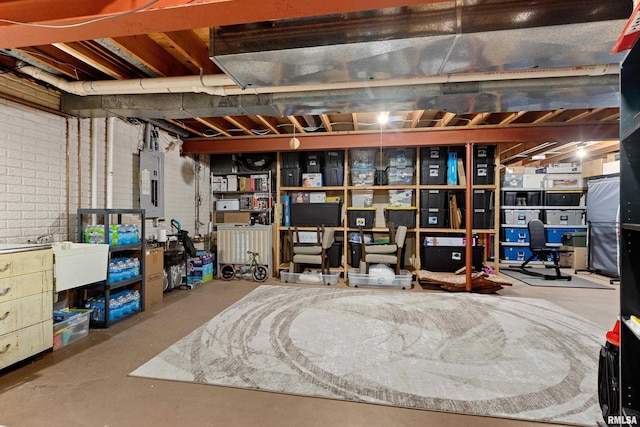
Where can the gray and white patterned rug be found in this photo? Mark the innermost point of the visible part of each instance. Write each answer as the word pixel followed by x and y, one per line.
pixel 473 354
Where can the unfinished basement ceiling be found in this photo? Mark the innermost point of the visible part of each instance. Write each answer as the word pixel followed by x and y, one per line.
pixel 433 67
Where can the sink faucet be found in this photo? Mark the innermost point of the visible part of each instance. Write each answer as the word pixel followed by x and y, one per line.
pixel 45 238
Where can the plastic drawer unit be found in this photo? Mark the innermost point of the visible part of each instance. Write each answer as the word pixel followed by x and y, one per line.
pixel 516 235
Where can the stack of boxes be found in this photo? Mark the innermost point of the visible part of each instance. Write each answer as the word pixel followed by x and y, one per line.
pixel 200 268
pixel 433 203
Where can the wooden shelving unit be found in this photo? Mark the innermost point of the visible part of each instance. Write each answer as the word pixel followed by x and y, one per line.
pixel 415 235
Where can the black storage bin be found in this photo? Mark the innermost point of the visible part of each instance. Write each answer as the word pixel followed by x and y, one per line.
pixel 449 258
pixel 313 162
pixel 334 159
pixel 381 177
pixel 483 152
pixel 433 174
pixel 563 199
pixel 533 198
pixel 334 254
pixel 482 199
pixel 291 177
pixel 355 254
pixel 482 218
pixel 401 216
pixel 521 198
pixel 433 166
pixel 433 218
pixel 483 173
pixel 333 176
pixel 290 160
pixel 433 199
pixel 314 214
pixel 509 198
pixel 361 217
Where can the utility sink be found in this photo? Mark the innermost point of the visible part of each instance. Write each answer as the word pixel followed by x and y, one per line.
pixel 79 264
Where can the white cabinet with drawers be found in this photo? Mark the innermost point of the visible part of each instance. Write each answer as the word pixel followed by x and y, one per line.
pixel 26 301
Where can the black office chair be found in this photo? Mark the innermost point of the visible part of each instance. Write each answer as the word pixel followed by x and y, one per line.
pixel 540 250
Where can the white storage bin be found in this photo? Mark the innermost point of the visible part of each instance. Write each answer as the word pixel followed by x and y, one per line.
pixel 363 176
pixel 400 281
pixel 362 198
pixel 311 278
pixel 520 217
pixel 400 198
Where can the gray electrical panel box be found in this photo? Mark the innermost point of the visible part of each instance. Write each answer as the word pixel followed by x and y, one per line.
pixel 152 183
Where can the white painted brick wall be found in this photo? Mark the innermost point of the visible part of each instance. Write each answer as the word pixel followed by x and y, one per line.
pixel 37 182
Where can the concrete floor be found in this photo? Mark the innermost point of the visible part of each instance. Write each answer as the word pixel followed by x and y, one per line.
pixel 86 382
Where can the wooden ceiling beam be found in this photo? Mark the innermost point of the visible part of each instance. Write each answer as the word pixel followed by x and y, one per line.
pixel 68 65
pixel 430 136
pixel 147 51
pixel 415 118
pixel 547 116
pixel 191 47
pixel 512 117
pixel 326 122
pixel 354 119
pixel 86 53
pixel 219 125
pixel 583 115
pixel 243 123
pixel 161 17
pixel 445 120
pixel 478 118
pixel 185 127
pixel 270 123
pixel 299 127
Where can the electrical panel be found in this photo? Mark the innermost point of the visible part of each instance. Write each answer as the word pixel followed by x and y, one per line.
pixel 152 183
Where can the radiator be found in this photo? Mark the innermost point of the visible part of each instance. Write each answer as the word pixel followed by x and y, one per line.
pixel 235 241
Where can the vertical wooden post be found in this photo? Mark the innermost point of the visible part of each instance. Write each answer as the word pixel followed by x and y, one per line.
pixel 469 214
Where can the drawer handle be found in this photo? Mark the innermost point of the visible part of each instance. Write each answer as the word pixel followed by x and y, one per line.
pixel 5 268
pixel 4 316
pixel 4 291
pixel 5 349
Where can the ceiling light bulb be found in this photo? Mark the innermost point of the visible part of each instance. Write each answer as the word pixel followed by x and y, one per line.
pixel 581 152
pixel 383 118
pixel 294 143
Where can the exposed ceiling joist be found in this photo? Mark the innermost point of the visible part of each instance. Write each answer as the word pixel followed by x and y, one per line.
pixel 162 16
pixel 458 136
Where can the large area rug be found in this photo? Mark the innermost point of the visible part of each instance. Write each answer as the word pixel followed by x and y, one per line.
pixel 487 355
pixel 575 282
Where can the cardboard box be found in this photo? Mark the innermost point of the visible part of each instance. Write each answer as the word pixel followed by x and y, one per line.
pixel 592 168
pixel 564 168
pixel 532 180
pixel 575 257
pixel 299 197
pixel 232 218
pixel 611 167
pixel 514 169
pixel 319 197
pixel 153 277
pixel 612 157
pixel 312 180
